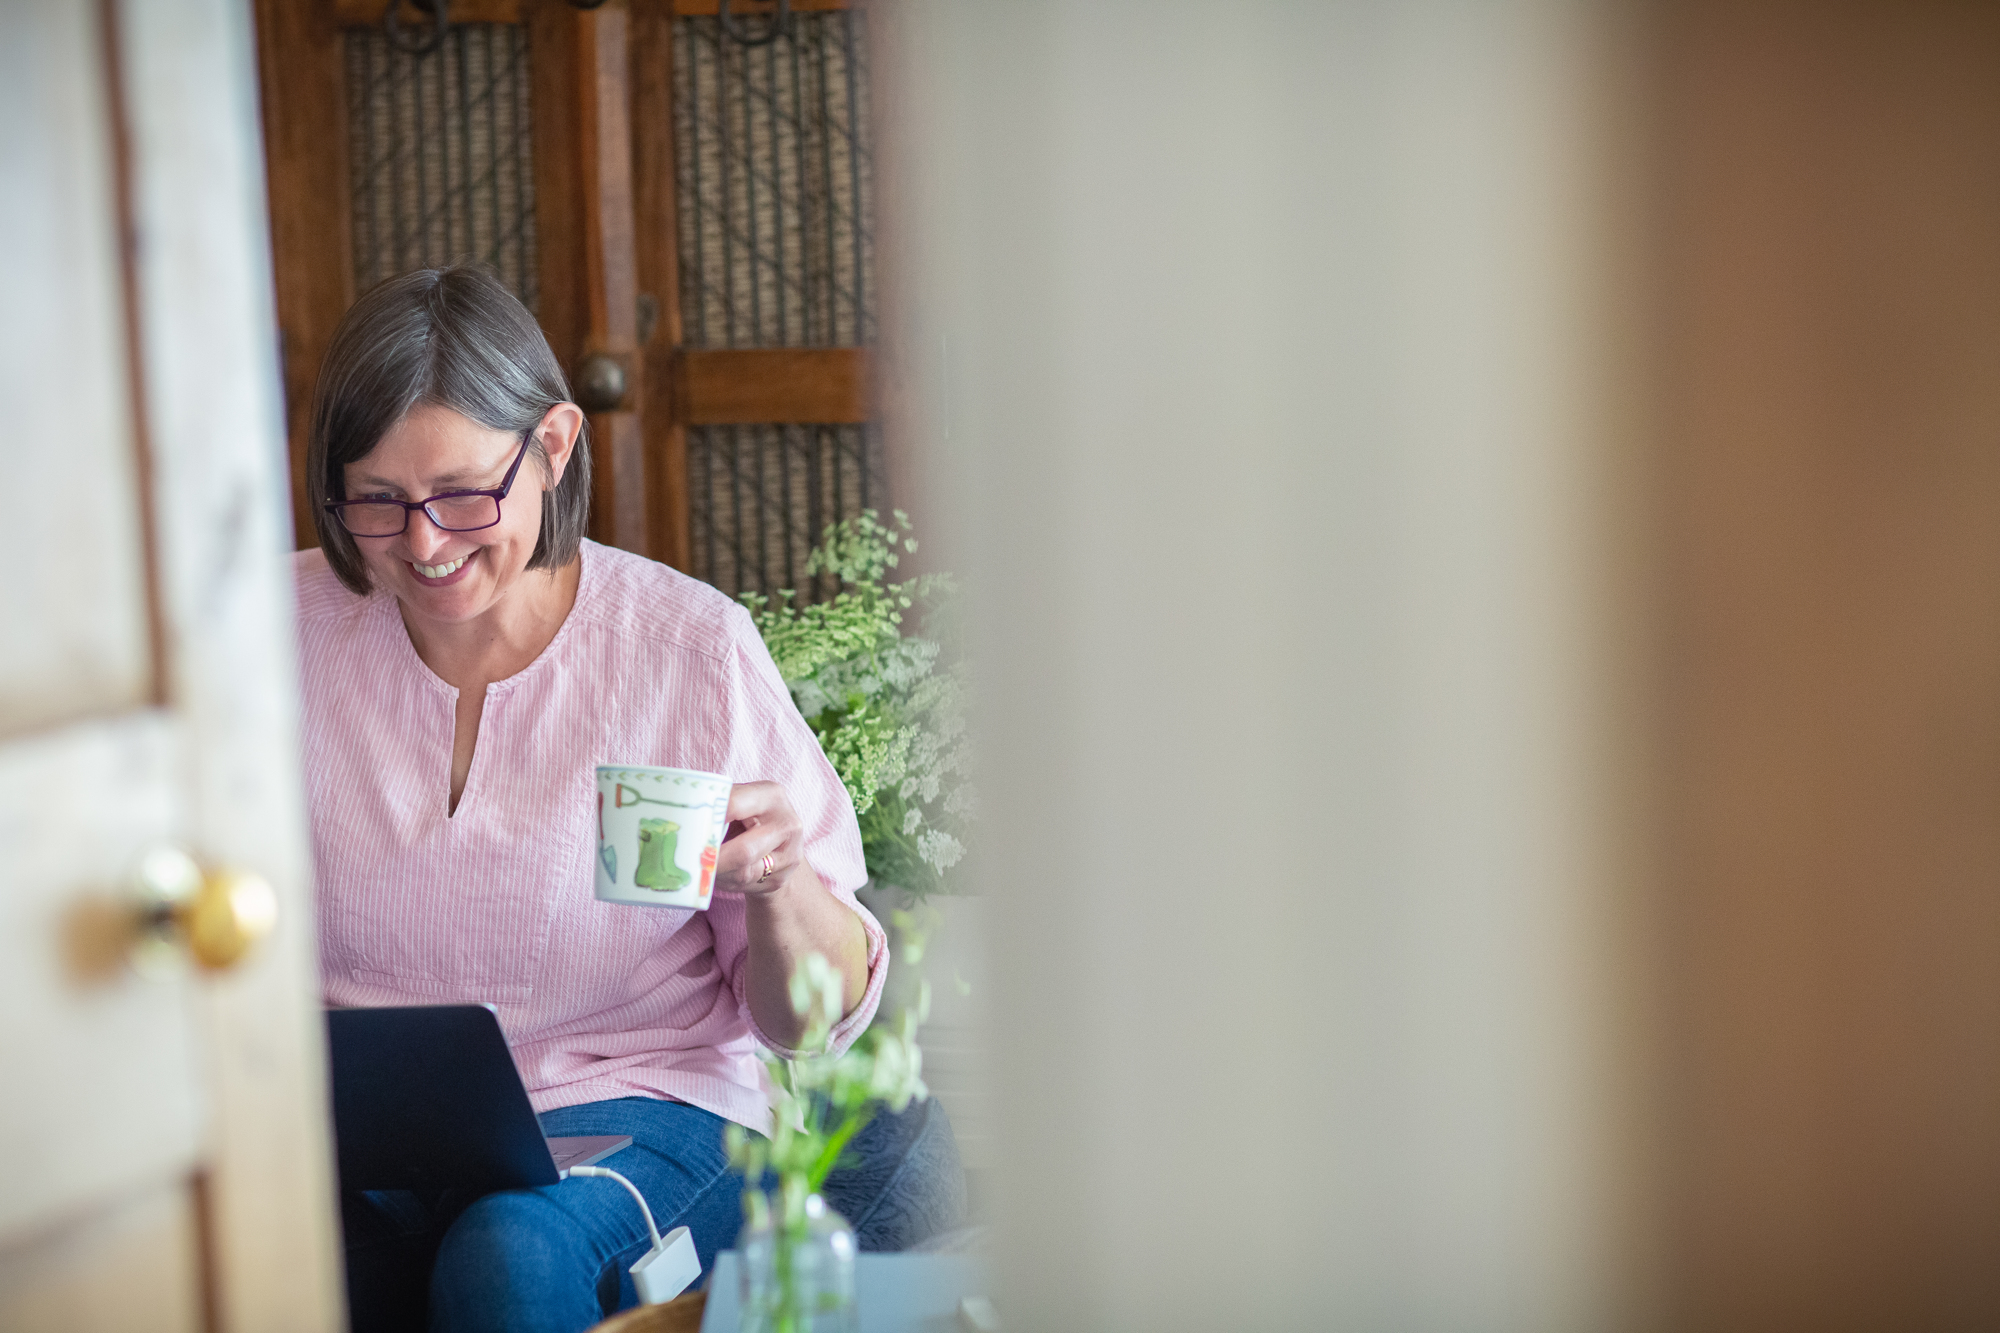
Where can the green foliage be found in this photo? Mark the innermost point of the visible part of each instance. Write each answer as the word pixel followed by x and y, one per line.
pixel 819 1102
pixel 887 706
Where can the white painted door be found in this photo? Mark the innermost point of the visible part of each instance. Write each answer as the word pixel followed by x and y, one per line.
pixel 168 1162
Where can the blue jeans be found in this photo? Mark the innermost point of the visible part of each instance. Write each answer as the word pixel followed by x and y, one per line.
pixel 556 1257
pixel 551 1258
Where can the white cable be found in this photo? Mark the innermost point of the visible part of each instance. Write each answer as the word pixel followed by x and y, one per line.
pixel 671 1266
pixel 651 1228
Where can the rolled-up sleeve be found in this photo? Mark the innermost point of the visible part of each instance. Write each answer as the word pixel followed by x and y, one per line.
pixel 770 742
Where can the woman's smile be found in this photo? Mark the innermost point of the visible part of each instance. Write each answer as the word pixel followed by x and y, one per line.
pixel 442 574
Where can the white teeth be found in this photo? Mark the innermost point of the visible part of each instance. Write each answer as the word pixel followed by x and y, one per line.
pixel 439 571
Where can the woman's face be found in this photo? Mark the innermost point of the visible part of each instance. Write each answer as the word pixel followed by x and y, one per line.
pixel 452 577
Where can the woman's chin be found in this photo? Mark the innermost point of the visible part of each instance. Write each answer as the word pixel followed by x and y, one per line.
pixel 450 607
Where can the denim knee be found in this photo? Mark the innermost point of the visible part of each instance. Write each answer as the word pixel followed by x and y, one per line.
pixel 514 1260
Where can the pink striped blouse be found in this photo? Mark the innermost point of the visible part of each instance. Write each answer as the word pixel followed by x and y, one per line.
pixel 494 903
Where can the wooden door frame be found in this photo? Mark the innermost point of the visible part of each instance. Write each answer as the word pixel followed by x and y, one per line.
pixel 303 75
pixel 656 238
pixel 584 230
pixel 201 310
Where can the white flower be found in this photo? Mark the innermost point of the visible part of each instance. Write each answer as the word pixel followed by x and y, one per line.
pixel 896 1075
pixel 939 849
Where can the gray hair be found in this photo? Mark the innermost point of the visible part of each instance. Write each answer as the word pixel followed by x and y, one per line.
pixel 449 337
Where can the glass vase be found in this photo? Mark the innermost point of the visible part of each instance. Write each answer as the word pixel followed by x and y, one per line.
pixel 798 1264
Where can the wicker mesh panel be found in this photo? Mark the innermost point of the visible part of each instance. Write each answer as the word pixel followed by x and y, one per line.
pixel 440 155
pixel 775 184
pixel 763 495
pixel 776 196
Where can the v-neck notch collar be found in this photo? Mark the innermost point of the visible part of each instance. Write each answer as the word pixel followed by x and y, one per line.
pixel 393 626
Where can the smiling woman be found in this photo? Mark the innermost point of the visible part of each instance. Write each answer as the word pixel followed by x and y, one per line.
pixel 467 660
pixel 481 539
pixel 452 342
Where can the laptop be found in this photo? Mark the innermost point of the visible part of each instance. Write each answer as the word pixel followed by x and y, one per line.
pixel 427 1097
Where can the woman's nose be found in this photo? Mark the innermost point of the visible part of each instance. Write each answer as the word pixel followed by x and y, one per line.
pixel 423 537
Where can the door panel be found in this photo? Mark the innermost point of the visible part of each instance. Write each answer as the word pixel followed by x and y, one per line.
pixel 77 809
pixel 157 565
pixel 773 232
pixel 64 379
pixel 106 1089
pixel 443 161
pixel 86 1276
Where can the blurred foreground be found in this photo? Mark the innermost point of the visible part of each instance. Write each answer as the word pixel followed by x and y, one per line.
pixel 1484 523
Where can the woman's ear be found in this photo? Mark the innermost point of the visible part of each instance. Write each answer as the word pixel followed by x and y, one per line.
pixel 560 428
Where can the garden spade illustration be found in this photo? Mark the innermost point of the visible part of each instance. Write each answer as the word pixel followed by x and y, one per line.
pixel 622 796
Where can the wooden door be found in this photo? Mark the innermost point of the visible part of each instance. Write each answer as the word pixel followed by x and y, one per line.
pixel 170 1165
pixel 507 143
pixel 550 142
pixel 755 168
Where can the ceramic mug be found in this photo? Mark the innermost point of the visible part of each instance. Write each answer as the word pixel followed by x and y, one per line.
pixel 658 832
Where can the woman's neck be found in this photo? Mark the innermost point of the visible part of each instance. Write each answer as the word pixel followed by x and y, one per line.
pixel 502 642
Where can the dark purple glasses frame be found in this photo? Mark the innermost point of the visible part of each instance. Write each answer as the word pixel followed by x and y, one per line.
pixel 496 495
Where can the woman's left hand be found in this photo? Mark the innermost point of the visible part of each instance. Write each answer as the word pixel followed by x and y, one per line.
pixel 769 845
pixel 791 914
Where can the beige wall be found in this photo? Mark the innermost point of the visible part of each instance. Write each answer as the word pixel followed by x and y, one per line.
pixel 1266 356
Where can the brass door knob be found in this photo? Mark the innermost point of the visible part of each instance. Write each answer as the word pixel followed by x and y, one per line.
pixel 212 917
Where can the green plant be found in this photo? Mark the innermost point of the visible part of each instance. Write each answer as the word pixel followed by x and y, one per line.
pixel 821 1102
pixel 818 1104
pixel 887 705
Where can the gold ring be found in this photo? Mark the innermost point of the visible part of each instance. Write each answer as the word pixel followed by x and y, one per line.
pixel 767 869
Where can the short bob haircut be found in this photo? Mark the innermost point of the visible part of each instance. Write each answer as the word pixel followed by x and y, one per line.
pixel 451 337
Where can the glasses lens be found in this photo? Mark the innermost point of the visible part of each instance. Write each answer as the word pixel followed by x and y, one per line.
pixel 372 520
pixel 464 513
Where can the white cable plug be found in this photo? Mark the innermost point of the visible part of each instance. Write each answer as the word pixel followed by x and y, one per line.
pixel 652 1227
pixel 671 1266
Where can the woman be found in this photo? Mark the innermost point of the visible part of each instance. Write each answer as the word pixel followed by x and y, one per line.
pixel 468 659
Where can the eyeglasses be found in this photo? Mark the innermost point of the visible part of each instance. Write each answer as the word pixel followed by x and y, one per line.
pixel 453 511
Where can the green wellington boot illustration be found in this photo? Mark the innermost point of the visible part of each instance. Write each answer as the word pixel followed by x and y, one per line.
pixel 658 840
